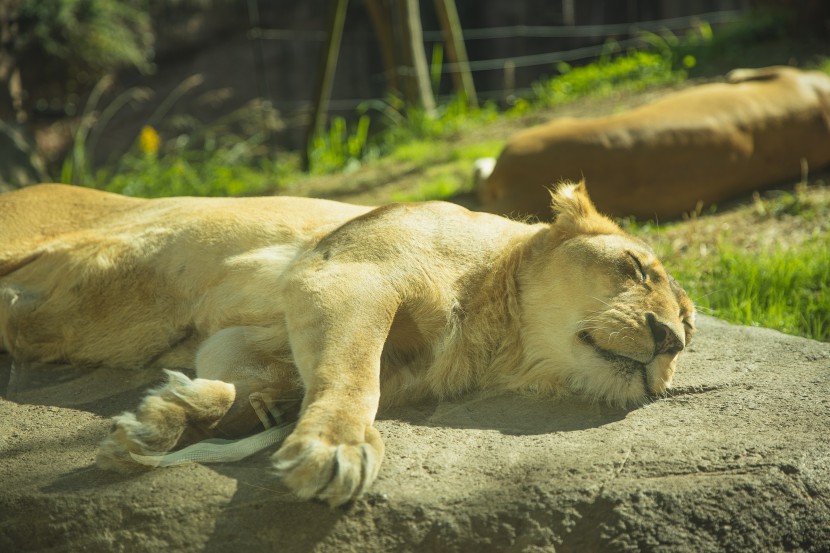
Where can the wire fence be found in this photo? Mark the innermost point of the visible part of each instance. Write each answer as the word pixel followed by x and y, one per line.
pixel 592 31
pixel 600 32
pixel 530 31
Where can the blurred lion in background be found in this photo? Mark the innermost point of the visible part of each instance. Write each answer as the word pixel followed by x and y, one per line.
pixel 690 149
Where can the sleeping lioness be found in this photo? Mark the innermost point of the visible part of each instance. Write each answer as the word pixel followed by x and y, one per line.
pixel 347 307
pixel 689 149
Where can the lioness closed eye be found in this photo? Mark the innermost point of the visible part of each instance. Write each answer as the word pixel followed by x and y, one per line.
pixel 345 307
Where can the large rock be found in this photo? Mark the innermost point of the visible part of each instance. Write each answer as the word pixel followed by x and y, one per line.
pixel 738 459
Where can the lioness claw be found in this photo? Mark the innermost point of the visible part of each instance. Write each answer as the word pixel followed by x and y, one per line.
pixel 335 474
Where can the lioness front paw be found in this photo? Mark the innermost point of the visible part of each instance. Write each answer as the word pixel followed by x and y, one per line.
pixel 335 473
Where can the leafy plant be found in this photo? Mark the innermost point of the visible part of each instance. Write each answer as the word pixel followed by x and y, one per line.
pixel 448 119
pixel 729 47
pixel 339 148
pixel 145 174
pixel 91 35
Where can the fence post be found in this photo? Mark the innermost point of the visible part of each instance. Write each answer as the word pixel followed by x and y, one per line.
pixel 568 13
pixel 415 50
pixel 456 50
pixel 381 21
pixel 331 53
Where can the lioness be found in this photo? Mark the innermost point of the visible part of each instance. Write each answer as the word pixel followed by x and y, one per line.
pixel 692 148
pixel 346 307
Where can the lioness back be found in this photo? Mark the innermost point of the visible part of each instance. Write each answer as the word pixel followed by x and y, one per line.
pixel 35 214
pixel 68 254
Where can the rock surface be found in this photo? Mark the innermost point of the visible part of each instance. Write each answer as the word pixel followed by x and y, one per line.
pixel 737 459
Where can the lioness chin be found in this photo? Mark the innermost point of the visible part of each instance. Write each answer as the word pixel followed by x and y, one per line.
pixel 343 307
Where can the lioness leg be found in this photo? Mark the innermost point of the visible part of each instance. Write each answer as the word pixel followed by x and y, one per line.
pixel 337 337
pixel 243 385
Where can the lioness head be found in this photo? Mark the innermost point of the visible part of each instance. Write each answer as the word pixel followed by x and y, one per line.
pixel 602 315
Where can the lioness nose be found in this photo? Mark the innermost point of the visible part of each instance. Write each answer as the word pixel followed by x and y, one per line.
pixel 666 340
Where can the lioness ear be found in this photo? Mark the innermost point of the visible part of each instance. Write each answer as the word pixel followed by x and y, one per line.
pixel 574 212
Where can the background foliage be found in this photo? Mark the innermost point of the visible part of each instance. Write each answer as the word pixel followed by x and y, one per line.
pixel 94 36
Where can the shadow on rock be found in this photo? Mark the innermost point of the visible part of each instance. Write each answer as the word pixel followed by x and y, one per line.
pixel 263 514
pixel 510 414
pixel 102 391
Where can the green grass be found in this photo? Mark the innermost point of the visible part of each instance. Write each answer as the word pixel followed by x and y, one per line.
pixel 788 290
pixel 191 160
pixel 419 152
pixel 446 177
pixel 733 45
pixel 437 188
pixel 784 288
pixel 630 72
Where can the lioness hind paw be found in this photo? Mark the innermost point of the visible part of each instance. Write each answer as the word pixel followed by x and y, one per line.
pixel 335 474
pixel 114 451
pixel 155 428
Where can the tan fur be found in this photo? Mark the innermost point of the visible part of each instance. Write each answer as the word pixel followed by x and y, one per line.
pixel 692 148
pixel 289 304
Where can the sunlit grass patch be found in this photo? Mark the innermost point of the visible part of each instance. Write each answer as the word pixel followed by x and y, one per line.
pixel 472 152
pixel 788 290
pixel 634 71
pixel 440 187
pixel 421 152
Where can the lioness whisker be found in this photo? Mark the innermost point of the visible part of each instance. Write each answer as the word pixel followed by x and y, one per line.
pixel 601 301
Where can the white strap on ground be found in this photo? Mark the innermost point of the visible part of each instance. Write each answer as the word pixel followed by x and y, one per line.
pixel 217 450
